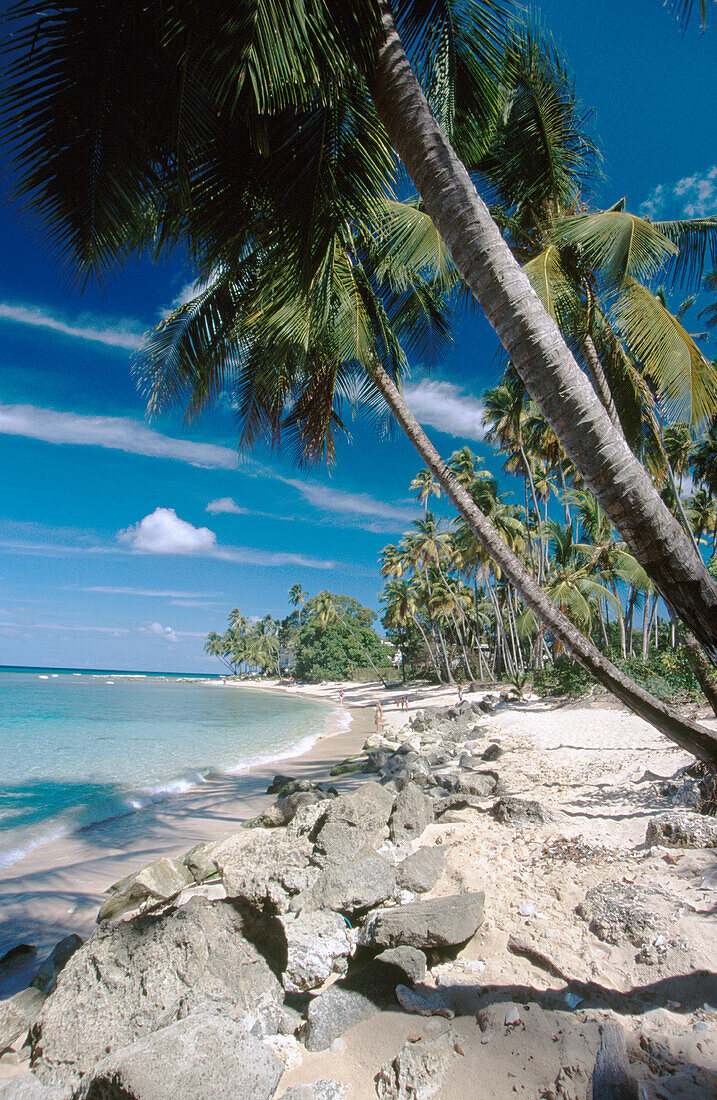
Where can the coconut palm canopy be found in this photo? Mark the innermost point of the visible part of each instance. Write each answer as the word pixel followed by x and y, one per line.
pixel 351 248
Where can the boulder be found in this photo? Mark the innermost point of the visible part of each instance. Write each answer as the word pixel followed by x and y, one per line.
pixel 352 887
pixel 418 1070
pixel 133 977
pixel 519 811
pixel 478 784
pixel 409 960
pixel 269 868
pixel 284 809
pixel 318 945
pixel 412 813
pixel 278 783
pixel 18 1014
pixel 493 752
pixel 349 1001
pixel 420 872
pixel 425 1001
pixel 406 767
pixel 351 764
pixel 201 863
pixel 160 881
pixel 619 911
pixel 435 923
pixel 351 823
pixel 27 1087
pixel 681 829
pixel 324 1089
pixel 205 1055
pixel 46 977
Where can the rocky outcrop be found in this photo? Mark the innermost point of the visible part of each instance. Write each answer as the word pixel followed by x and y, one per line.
pixel 412 813
pixel 618 911
pixel 27 1087
pixel 436 923
pixel 318 1090
pixel 160 881
pixel 681 829
pixel 520 811
pixel 265 868
pixel 205 1055
pixel 420 872
pixel 318 945
pixel 418 1070
pixel 135 977
pixel 352 887
pixel 351 823
pixel 349 1001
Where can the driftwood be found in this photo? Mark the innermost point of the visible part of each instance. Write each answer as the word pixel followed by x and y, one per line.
pixel 612 1079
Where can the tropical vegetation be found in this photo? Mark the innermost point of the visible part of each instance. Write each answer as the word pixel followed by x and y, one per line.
pixel 264 139
pixel 325 637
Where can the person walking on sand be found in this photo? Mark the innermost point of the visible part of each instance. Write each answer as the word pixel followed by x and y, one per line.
pixel 341 697
pixel 378 717
pixel 460 693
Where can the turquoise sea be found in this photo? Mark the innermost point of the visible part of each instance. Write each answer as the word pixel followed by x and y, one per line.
pixel 77 748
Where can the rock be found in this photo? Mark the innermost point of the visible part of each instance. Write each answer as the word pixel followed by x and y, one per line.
pixel 617 911
pixel 456 801
pixel 287 1048
pixel 278 783
pixel 200 863
pixel 479 784
pixel 27 1087
pixel 410 767
pixel 512 1016
pixel 438 922
pixel 425 1001
pixel 132 977
pixel 421 871
pixel 519 811
pixel 46 977
pixel 160 881
pixel 352 887
pixel 681 829
pixel 351 823
pixel 205 1055
pixel 418 1070
pixel 284 810
pixel 409 960
pixel 318 945
pixel 350 764
pixel 266 869
pixel 412 813
pixel 493 752
pixel 18 1014
pixel 324 1089
pixel 349 1001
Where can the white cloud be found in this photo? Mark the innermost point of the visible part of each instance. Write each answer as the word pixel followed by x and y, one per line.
pixel 226 504
pixel 157 593
pixel 113 432
pixel 334 500
pixel 246 555
pixel 163 532
pixel 164 632
pixel 444 406
pixel 693 196
pixel 116 334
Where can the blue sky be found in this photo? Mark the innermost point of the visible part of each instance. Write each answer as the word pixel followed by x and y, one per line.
pixel 123 543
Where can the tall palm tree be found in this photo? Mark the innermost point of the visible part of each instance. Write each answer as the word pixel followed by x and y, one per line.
pixel 214 646
pixel 129 121
pixel 188 149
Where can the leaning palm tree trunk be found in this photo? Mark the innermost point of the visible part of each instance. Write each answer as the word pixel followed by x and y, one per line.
pixel 701 742
pixel 356 638
pixel 535 345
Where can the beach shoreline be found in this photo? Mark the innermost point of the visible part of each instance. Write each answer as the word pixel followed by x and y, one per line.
pixel 57 887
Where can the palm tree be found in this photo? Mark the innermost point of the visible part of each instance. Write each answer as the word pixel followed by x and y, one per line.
pixel 214 646
pixel 179 125
pixel 146 159
pixel 328 611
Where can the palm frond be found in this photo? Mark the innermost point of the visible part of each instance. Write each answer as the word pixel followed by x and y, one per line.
pixel 685 379
pixel 696 240
pixel 617 244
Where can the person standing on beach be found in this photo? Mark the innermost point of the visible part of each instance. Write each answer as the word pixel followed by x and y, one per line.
pixel 378 718
pixel 341 697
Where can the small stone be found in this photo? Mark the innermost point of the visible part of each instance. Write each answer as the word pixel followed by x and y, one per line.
pixel 681 829
pixel 424 1001
pixel 527 909
pixel 409 960
pixel 512 1017
pixel 418 1070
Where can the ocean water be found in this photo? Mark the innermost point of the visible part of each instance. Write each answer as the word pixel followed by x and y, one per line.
pixel 81 748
